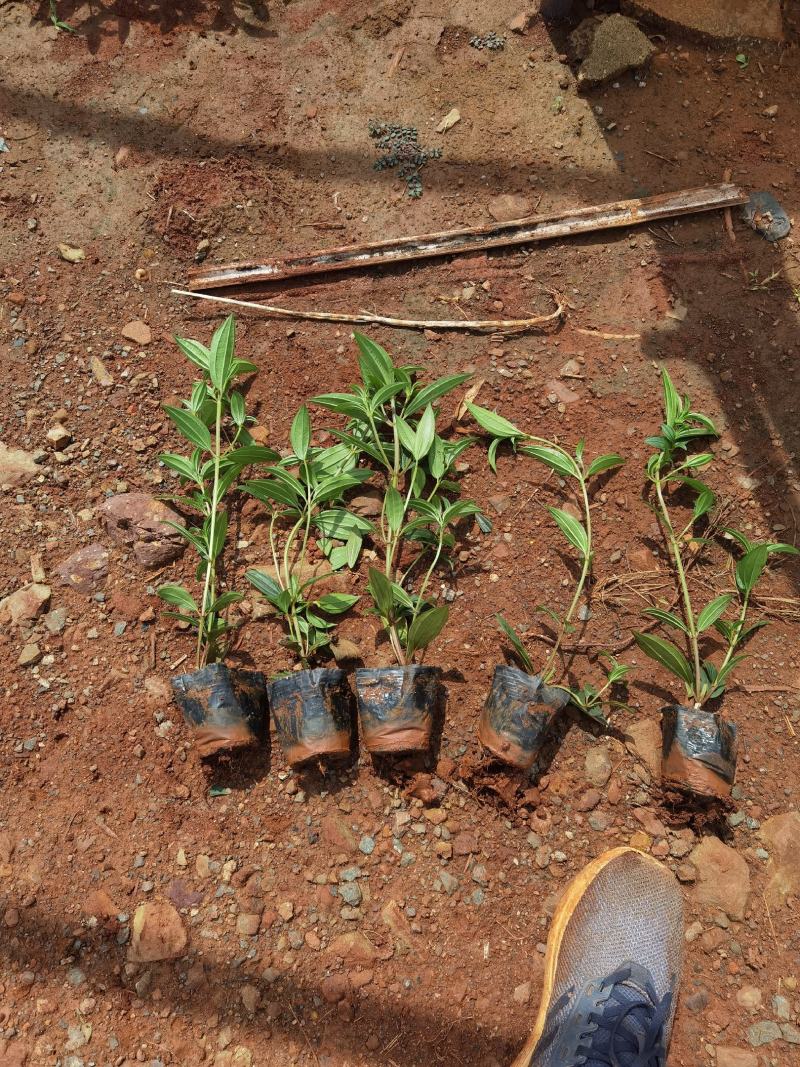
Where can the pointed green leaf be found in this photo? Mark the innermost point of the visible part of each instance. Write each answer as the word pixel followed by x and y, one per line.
pixel 194 351
pixel 182 465
pixel 425 432
pixel 572 530
pixel 668 618
pixel 236 401
pixel 337 603
pixel 190 427
pixel 425 628
pixel 429 394
pixel 558 461
pixel 604 463
pixel 665 653
pixel 377 368
pixel 226 599
pixel 222 345
pixel 264 583
pixel 180 597
pixel 750 567
pixel 516 642
pixel 380 589
pixel 394 509
pixel 711 612
pixel 300 433
pixel 493 423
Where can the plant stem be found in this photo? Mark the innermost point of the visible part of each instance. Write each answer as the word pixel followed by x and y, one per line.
pixel 585 571
pixel 739 626
pixel 688 614
pixel 210 584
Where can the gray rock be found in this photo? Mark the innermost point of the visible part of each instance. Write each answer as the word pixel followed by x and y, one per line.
pixel 479 874
pixel 478 897
pixel 350 893
pixel 75 977
pixel 367 845
pixel 790 1033
pixel 782 1008
pixel 349 874
pixel 763 1033
pixel 449 883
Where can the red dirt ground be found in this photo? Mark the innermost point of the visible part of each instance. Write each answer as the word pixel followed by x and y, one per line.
pixel 156 127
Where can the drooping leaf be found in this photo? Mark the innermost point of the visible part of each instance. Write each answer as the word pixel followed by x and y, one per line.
pixel 226 599
pixel 494 424
pixel 394 509
pixel 713 611
pixel 237 408
pixel 604 463
pixel 377 368
pixel 341 404
pixel 572 530
pixel 427 626
pixel 750 567
pixel 180 597
pixel 560 462
pixel 424 435
pixel 194 351
pixel 429 394
pixel 516 642
pixel 380 589
pixel 182 465
pixel 668 618
pixel 264 583
pixel 337 603
pixel 190 427
pixel 665 653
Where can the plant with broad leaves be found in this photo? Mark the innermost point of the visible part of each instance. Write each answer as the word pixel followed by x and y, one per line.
pixel 591 700
pixel 392 425
pixel 304 493
pixel 672 467
pixel 213 420
pixel 573 469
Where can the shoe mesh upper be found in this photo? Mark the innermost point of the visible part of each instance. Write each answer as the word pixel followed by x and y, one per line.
pixel 632 911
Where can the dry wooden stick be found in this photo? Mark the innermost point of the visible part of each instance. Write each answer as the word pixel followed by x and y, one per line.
pixel 620 213
pixel 366 317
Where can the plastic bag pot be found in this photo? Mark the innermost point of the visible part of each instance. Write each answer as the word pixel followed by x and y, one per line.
pixel 227 707
pixel 699 751
pixel 517 715
pixel 396 707
pixel 312 712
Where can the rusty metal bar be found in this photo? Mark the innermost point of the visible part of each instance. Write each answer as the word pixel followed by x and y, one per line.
pixel 473 239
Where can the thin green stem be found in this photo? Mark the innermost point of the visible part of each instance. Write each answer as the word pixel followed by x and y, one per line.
pixel 427 578
pixel 549 666
pixel 210 584
pixel 688 613
pixel 733 643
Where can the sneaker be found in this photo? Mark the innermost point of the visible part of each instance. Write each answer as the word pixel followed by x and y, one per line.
pixel 612 968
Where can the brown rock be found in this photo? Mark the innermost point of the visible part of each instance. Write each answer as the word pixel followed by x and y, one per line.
pixel 653 825
pixel 735 1057
pixel 100 373
pixel 335 832
pixel 138 332
pixel 562 392
pixel 507 207
pixel 157 933
pixel 250 997
pixel 355 947
pixel 643 739
pixel 521 22
pixel 723 877
pixel 781 836
pixel 157 690
pixel 139 521
pixel 99 904
pixel 465 843
pixel 16 467
pixel 85 569
pixel 598 766
pixel 334 988
pixel 7 846
pixel 23 607
pixel 58 437
pixel 588 800
pixel 393 917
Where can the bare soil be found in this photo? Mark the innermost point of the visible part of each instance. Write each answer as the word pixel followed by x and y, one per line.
pixel 157 127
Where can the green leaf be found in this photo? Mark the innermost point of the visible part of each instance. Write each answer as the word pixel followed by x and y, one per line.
pixel 668 618
pixel 353 548
pixel 750 567
pixel 572 530
pixel 264 583
pixel 180 597
pixel 429 394
pixel 711 612
pixel 516 641
pixel 665 653
pixel 300 433
pixel 558 461
pixel 673 405
pixel 377 368
pixel 702 459
pixel 338 523
pixel 781 546
pixel 394 508
pixel 194 351
pixel 405 433
pixel 182 465
pixel 269 491
pixel 380 589
pixel 494 424
pixel 226 599
pixel 236 401
pixel 337 603
pixel 425 433
pixel 341 404
pixel 239 458
pixel 604 463
pixel 190 427
pixel 220 533
pixel 222 345
pixel 704 503
pixel 425 628
pixel 739 538
pixel 491 454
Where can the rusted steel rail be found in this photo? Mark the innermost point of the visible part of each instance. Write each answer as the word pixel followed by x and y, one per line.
pixel 621 213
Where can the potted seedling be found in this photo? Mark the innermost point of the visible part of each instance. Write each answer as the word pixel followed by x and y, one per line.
pixel 392 425
pixel 312 707
pixel 521 703
pixel 699 746
pixel 227 706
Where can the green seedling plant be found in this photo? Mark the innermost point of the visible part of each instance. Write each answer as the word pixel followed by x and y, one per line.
pixel 58 22
pixel 575 471
pixel 303 492
pixel 671 469
pixel 214 422
pixel 392 425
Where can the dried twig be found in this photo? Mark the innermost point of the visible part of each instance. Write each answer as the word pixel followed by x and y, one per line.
pixel 609 336
pixel 366 317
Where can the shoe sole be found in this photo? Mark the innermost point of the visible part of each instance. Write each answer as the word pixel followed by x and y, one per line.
pixel 564 912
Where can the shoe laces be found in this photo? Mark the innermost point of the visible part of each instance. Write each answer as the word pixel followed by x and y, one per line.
pixel 626 1028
